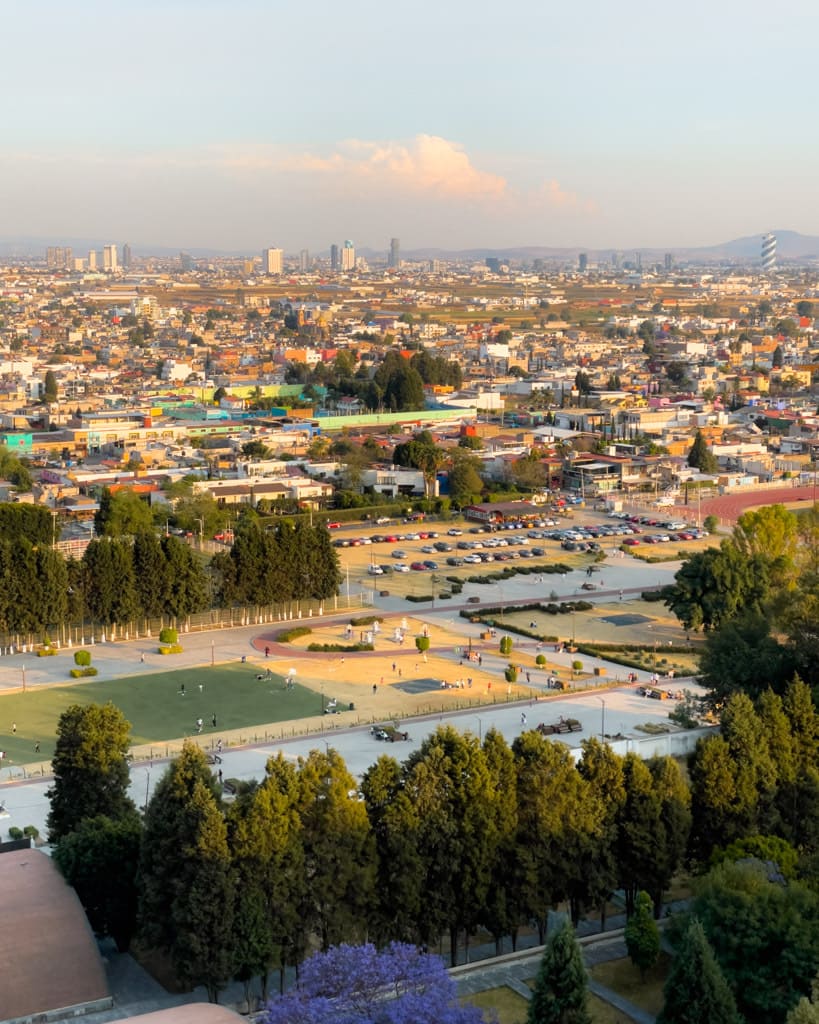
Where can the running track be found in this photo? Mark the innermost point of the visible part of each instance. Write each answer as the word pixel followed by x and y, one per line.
pixel 729 507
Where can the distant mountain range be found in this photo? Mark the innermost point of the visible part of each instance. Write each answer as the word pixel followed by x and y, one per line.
pixel 791 246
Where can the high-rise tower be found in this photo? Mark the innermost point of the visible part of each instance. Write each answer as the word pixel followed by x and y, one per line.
pixel 348 256
pixel 768 253
pixel 394 260
pixel 272 261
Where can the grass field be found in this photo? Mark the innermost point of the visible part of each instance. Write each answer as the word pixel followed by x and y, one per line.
pixel 156 708
pixel 624 978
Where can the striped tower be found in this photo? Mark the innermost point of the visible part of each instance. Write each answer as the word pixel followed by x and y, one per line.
pixel 768 253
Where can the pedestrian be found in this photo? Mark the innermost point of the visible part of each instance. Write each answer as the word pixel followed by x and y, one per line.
pixel 393 666
pixel 220 776
pixel 13 727
pixel 142 658
pixel 37 747
pixel 218 746
pixel 400 673
pixel 182 690
pixel 621 595
pixel 480 660
pixel 523 718
pixel 213 720
pixel 267 652
pixel 201 687
pixel 528 678
pixel 375 688
pixel 198 725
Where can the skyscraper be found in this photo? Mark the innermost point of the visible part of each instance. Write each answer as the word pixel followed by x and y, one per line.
pixel 394 259
pixel 335 263
pixel 272 261
pixel 348 256
pixel 109 258
pixel 304 260
pixel 768 253
pixel 126 257
pixel 583 262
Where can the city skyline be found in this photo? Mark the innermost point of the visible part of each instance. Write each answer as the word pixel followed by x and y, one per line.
pixel 237 127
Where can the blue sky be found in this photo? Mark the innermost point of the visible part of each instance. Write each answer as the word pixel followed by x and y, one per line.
pixel 241 123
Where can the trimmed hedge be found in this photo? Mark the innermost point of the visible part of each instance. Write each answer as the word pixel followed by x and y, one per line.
pixel 340 648
pixel 82 658
pixel 82 673
pixel 169 636
pixel 293 634
pixel 419 598
pixel 46 652
pixel 365 620
pixel 171 649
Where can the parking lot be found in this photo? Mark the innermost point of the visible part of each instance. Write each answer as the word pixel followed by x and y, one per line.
pixel 401 558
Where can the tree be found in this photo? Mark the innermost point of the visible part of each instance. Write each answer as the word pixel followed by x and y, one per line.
pixel 715 585
pixel 560 991
pixel 701 457
pixel 339 854
pixel 696 991
pixel 765 936
pixel 122 513
pixel 777 358
pixel 90 768
pixel 804 308
pixel 465 483
pixel 770 532
pixel 99 859
pixel 806 1010
pixel 363 985
pixel 742 655
pixel 50 386
pixel 186 889
pixel 642 935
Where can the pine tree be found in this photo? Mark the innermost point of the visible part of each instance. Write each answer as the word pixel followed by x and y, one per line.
pixel 696 991
pixel 559 996
pixel 700 455
pixel 642 935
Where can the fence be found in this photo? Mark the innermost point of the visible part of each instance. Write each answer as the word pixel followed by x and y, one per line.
pixel 89 633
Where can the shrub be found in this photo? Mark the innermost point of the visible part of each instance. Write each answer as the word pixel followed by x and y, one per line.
pixel 419 598
pixel 506 646
pixel 422 643
pixel 577 666
pixel 365 620
pixel 171 649
pixel 46 652
pixel 82 658
pixel 511 674
pixel 340 648
pixel 293 634
pixel 540 659
pixel 15 833
pixel 169 636
pixel 82 673
pixel 710 524
pixel 31 831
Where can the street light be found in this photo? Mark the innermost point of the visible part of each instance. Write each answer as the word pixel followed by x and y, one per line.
pixel 480 730
pixel 23 670
pixel 198 519
pixel 212 653
pixel 602 720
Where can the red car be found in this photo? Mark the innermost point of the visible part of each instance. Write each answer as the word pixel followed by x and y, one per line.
pixel 419 567
pixel 631 541
pixel 334 526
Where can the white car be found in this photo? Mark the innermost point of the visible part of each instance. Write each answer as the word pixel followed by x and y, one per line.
pixel 472 559
pixel 382 521
pixel 455 532
pixel 401 567
pixel 375 570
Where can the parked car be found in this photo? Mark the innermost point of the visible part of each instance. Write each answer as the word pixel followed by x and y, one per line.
pixel 418 566
pixel 401 567
pixel 398 553
pixel 375 570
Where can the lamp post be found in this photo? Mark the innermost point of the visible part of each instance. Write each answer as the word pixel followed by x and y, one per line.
pixel 201 521
pixel 23 670
pixel 212 653
pixel 602 719
pixel 480 730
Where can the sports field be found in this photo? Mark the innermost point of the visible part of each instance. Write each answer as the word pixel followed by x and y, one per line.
pixel 156 707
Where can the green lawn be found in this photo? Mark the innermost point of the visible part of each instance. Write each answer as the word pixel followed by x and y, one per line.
pixel 501 1004
pixel 155 707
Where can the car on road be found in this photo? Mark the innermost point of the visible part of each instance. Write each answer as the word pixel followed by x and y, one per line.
pixel 588 586
pixel 334 526
pixel 382 521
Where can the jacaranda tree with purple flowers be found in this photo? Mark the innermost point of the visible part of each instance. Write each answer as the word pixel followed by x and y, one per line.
pixel 365 985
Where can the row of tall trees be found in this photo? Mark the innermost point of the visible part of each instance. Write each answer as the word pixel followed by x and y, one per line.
pixel 122 579
pixel 462 835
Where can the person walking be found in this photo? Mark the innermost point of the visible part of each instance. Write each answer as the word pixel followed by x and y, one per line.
pixel 523 718
pixel 213 721
pixel 198 725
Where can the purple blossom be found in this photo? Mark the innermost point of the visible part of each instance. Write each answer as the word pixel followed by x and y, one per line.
pixel 364 985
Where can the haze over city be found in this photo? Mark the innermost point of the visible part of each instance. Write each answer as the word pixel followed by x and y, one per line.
pixel 234 126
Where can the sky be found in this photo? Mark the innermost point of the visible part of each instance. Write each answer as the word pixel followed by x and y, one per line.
pixel 233 125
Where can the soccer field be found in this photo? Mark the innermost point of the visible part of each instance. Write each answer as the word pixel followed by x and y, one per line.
pixel 156 707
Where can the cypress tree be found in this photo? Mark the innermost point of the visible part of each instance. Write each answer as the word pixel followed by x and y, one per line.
pixel 559 995
pixel 696 991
